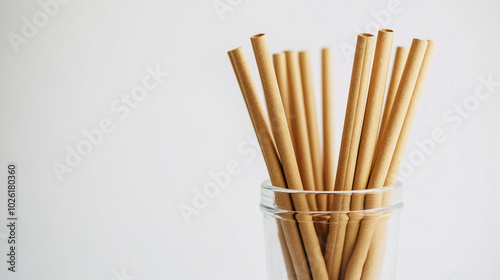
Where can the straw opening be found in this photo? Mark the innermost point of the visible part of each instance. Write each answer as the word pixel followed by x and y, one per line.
pixel 367 35
pixel 258 35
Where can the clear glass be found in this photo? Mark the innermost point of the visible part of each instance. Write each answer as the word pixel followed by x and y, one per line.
pixel 331 234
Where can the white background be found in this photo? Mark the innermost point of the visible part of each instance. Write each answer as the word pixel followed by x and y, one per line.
pixel 117 213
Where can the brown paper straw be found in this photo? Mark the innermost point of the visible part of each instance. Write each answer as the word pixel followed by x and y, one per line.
pixel 358 121
pixel 328 121
pixel 299 124
pixel 373 264
pixel 258 117
pixel 279 62
pixel 348 149
pixel 292 246
pixel 389 139
pixel 287 257
pixel 329 168
pixel 311 118
pixel 359 75
pixel 387 142
pixel 373 110
pixel 354 147
pixel 369 136
pixel 312 133
pixel 285 148
pixel 397 72
pixel 375 256
pixel 410 116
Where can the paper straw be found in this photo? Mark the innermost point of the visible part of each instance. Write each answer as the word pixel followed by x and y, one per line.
pixel 410 116
pixel 300 134
pixel 348 150
pixel 373 263
pixel 402 100
pixel 258 118
pixel 314 149
pixel 290 240
pixel 358 120
pixel 285 148
pixel 371 124
pixel 329 164
pixel 354 149
pixel 397 72
pixel 311 118
pixel 279 62
pixel 387 142
pixel 373 111
pixel 375 255
pixel 287 257
pixel 329 169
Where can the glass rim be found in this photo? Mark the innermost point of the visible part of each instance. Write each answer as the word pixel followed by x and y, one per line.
pixel 268 186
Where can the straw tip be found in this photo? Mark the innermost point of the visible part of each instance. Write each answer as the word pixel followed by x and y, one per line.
pixel 234 50
pixel 256 36
pixel 419 40
pixel 386 31
pixel 418 43
pixel 365 35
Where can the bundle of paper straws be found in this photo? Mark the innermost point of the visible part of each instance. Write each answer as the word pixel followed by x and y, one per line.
pixel 371 150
